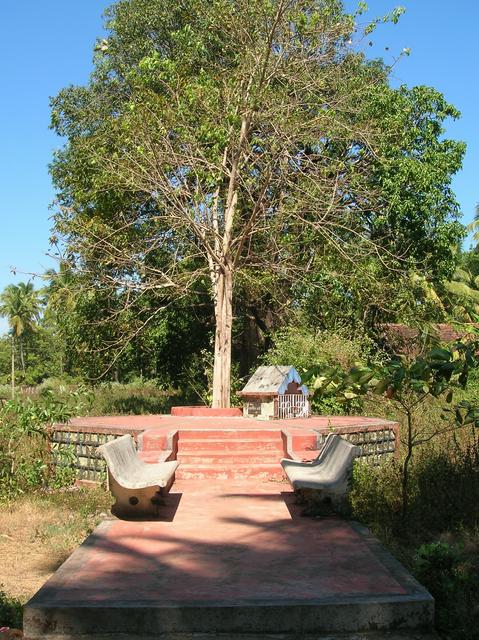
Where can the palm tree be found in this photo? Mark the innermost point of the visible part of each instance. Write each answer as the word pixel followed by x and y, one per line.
pixel 59 292
pixel 59 298
pixel 473 227
pixel 463 290
pixel 20 304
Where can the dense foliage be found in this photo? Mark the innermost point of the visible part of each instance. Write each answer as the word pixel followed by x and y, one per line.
pixel 25 429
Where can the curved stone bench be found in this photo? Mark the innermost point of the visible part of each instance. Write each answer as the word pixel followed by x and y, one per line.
pixel 138 487
pixel 328 475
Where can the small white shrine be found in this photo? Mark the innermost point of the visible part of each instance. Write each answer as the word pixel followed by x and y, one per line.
pixel 275 391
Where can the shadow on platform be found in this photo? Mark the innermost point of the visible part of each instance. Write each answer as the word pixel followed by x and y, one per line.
pixel 228 562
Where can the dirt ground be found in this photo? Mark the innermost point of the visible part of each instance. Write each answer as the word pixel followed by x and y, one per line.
pixel 38 532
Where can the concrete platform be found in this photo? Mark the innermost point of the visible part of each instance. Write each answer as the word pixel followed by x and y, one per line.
pixel 231 558
pixel 209 447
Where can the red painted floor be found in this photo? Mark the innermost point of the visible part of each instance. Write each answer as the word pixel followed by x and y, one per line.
pixel 232 542
pixel 190 422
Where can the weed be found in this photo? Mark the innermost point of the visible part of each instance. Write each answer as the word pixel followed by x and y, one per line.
pixel 448 573
pixel 11 610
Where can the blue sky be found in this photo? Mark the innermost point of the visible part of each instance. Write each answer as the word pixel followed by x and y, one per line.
pixel 47 45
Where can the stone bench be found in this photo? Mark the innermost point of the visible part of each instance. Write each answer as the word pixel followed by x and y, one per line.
pixel 326 477
pixel 138 487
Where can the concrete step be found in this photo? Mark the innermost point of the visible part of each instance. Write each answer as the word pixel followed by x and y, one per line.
pixel 194 471
pixel 229 444
pixel 374 635
pixel 208 622
pixel 233 558
pixel 153 441
pixel 229 434
pixel 251 458
pixel 305 454
pixel 152 457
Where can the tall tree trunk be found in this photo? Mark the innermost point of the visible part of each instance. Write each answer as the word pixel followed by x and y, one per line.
pixel 405 468
pixel 22 356
pixel 224 325
pixel 13 367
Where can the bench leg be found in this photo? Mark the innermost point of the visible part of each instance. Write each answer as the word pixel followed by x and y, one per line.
pixel 317 503
pixel 136 503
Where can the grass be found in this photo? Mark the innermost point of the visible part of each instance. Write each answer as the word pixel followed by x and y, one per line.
pixel 38 532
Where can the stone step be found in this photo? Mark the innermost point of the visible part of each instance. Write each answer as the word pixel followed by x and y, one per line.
pixel 229 444
pixel 194 471
pixel 251 458
pixel 152 441
pixel 370 635
pixel 306 455
pixel 230 434
pixel 177 622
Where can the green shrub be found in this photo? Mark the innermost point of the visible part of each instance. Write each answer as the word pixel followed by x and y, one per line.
pixel 453 581
pixel 443 494
pixel 435 565
pixel 375 496
pixel 444 489
pixel 63 473
pixel 304 347
pixel 5 391
pixel 135 398
pixel 24 442
pixel 113 398
pixel 11 611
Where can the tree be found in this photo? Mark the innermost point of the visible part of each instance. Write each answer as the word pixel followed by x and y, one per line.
pixel 20 304
pixel 221 145
pixel 462 295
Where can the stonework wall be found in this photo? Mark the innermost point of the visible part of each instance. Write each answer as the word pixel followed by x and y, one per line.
pixel 79 447
pixel 376 444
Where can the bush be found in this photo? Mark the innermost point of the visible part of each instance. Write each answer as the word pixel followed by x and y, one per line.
pixel 444 489
pixel 5 391
pixel 453 581
pixel 135 398
pixel 113 398
pixel 24 442
pixel 375 496
pixel 11 611
pixel 443 493
pixel 444 503
pixel 304 348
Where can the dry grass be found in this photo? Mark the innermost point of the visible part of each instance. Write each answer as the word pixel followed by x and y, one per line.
pixel 39 531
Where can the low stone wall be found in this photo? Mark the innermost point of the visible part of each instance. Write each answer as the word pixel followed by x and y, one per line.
pixel 78 446
pixel 376 442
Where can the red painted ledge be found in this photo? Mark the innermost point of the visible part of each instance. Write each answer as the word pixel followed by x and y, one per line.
pixel 232 412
